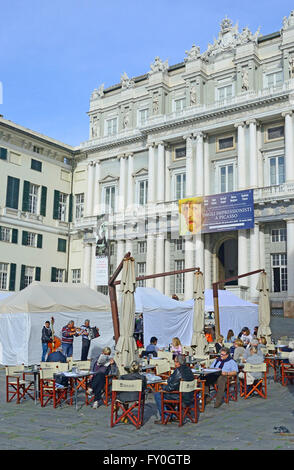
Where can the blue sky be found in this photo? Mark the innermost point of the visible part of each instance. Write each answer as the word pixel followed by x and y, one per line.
pixel 55 52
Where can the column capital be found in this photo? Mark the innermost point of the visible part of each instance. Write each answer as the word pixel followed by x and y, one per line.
pixel 160 142
pixel 199 136
pixel 122 156
pixel 252 121
pixel 130 154
pixel 239 124
pixel 189 136
pixel 287 113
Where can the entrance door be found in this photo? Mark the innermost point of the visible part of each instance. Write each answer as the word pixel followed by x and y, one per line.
pixel 228 260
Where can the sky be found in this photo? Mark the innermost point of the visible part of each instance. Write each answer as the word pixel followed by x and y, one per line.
pixel 54 53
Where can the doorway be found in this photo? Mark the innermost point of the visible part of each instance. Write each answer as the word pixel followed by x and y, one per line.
pixel 227 256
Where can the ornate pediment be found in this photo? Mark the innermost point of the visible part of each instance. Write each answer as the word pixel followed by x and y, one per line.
pixel 228 38
pixel 141 172
pixel 109 179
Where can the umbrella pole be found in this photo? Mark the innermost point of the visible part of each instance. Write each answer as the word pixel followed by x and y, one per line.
pixel 216 310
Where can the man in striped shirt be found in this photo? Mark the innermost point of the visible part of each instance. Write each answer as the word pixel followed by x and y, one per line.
pixel 67 335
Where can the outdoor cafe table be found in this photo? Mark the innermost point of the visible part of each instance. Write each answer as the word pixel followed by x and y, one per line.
pixel 34 370
pixel 153 381
pixel 77 380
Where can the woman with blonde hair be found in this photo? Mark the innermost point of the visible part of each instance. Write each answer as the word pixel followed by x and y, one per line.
pixel 176 346
pixel 219 343
pixel 239 349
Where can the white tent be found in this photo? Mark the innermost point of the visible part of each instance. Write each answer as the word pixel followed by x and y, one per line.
pixel 23 314
pixel 166 318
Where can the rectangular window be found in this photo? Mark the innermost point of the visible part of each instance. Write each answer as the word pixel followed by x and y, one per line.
pixel 225 92
pixel 3 276
pixel 180 278
pixel 5 234
pixel 179 105
pixel 180 185
pixel 3 153
pixel 80 206
pixel 180 152
pixel 277 170
pixel 76 276
pixel 225 143
pixel 279 272
pixel 274 133
pixel 226 178
pixel 142 247
pixel 141 272
pixel 31 239
pixel 61 245
pixel 143 116
pixel 37 149
pixel 111 127
pixel 179 244
pixel 142 192
pixel 109 193
pixel 33 198
pixel 59 275
pixel 279 235
pixel 28 275
pixel 36 165
pixel 62 207
pixel 273 79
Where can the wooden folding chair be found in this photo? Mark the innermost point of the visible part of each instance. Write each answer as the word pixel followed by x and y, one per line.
pixel 82 365
pixel 17 385
pixel 176 407
pixel 163 370
pixel 132 411
pixel 287 374
pixel 259 385
pixel 49 390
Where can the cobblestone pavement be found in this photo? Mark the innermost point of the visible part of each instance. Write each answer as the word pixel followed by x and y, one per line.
pixel 252 424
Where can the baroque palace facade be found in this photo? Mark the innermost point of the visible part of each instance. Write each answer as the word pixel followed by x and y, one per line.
pixel 220 121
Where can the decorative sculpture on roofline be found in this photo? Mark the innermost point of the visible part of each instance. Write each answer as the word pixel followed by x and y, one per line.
pixel 288 22
pixel 98 92
pixel 158 66
pixel 192 54
pixel 126 82
pixel 228 38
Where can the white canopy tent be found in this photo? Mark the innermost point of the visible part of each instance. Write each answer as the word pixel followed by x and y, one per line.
pixel 23 314
pixel 166 318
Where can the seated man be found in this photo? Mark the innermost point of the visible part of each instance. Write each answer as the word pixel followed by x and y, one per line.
pixel 58 356
pixel 228 368
pixel 133 375
pixel 182 371
pixel 151 348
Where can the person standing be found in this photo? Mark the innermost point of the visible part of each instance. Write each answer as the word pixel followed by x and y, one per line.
pixel 46 338
pixel 68 332
pixel 86 342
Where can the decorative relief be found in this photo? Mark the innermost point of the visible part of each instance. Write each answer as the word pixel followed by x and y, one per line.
pixel 245 80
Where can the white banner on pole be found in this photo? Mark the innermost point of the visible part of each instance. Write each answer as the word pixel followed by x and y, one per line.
pixel 101 270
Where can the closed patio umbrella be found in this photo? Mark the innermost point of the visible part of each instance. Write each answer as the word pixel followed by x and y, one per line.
pixel 264 314
pixel 199 341
pixel 126 348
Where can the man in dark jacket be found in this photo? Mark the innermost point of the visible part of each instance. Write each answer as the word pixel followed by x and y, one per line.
pixel 46 338
pixel 181 372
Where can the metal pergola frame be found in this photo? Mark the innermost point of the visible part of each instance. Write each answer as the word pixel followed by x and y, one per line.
pixel 112 283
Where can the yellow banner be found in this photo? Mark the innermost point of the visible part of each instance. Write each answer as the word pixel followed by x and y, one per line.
pixel 191 215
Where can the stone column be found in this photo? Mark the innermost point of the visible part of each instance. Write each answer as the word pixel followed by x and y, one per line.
pixel 90 186
pixel 207 263
pixel 199 165
pixel 206 168
pixel 129 245
pixel 167 265
pixel 86 264
pixel 150 259
pixel 122 183
pixel 254 259
pixel 151 174
pixel 189 263
pixel 93 266
pixel 253 153
pixel 189 166
pixel 160 173
pixel 130 179
pixel 242 257
pixel 261 247
pixel 167 173
pixel 96 189
pixel 260 171
pixel 159 281
pixel 241 156
pixel 290 258
pixel 289 153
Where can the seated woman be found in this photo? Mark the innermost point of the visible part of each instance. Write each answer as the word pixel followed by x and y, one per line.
pixel 253 358
pixel 239 350
pixel 230 336
pixel 289 349
pixel 219 343
pixel 176 346
pixel 102 367
pixel 133 375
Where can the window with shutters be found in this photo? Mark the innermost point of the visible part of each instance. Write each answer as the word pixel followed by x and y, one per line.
pixel 60 275
pixel 31 239
pixel 33 198
pixel 12 192
pixel 62 207
pixel 29 274
pixel 3 276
